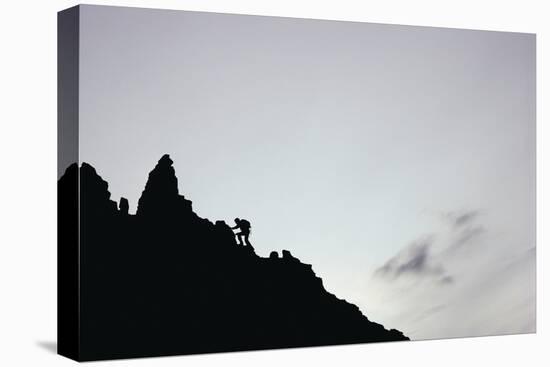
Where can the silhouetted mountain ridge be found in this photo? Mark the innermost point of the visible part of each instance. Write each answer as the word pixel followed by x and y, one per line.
pixel 165 281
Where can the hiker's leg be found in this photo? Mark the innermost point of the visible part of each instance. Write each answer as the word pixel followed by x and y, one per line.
pixel 239 238
pixel 246 239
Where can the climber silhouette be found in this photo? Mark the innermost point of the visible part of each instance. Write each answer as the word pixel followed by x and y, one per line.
pixel 244 226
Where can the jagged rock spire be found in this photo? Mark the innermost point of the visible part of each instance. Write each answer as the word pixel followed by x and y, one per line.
pixel 161 193
pixel 95 190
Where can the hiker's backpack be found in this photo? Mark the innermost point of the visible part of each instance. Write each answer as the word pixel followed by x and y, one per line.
pixel 245 224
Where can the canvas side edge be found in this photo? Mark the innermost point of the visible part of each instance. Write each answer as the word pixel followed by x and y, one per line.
pixel 68 287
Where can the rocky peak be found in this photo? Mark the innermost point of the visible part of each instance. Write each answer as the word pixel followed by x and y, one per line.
pixel 161 194
pixel 95 190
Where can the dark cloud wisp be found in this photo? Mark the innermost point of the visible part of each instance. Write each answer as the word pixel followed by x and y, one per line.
pixel 459 219
pixel 414 260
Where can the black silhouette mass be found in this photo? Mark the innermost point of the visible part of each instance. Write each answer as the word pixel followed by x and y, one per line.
pixel 165 281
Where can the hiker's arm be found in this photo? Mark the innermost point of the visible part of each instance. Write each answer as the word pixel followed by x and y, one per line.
pixel 235 227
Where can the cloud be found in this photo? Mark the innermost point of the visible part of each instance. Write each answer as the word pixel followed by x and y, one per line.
pixel 467 235
pixel 465 227
pixel 419 259
pixel 447 279
pixel 465 279
pixel 415 260
pixel 459 219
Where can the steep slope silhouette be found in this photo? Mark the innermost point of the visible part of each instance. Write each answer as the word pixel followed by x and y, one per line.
pixel 166 282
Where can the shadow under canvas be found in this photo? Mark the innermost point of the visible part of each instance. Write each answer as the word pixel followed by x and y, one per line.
pixel 50 346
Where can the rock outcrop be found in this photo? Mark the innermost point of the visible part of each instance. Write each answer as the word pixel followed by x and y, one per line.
pixel 166 281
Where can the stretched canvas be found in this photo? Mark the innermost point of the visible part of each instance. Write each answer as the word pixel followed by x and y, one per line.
pixel 233 182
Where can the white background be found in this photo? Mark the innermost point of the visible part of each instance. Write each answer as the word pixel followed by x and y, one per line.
pixel 28 182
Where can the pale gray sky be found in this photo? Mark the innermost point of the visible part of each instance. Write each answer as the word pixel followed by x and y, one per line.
pixel 349 144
